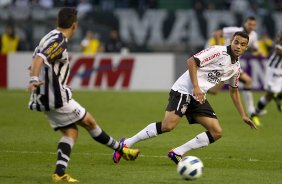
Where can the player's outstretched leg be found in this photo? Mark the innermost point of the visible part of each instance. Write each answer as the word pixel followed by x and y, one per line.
pixel 64 150
pixel 102 137
pixel 152 130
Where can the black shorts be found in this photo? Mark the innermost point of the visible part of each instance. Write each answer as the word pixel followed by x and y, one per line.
pixel 186 105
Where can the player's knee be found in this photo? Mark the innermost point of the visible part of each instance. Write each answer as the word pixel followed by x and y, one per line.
pixel 88 122
pixel 216 133
pixel 167 127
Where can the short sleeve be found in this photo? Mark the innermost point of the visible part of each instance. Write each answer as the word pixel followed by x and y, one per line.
pixel 53 49
pixel 207 56
pixel 234 80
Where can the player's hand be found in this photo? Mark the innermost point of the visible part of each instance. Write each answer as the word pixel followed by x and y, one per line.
pixel 247 120
pixel 33 85
pixel 199 95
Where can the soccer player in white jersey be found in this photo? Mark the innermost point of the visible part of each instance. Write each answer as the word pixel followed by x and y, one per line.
pixel 273 79
pixel 227 33
pixel 209 67
pixel 48 77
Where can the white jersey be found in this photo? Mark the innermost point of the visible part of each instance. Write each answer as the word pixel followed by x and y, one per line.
pixel 55 71
pixel 214 66
pixel 228 33
pixel 273 77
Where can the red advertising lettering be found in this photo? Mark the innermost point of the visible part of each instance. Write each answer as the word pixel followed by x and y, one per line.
pixel 111 74
pixel 104 72
pixel 3 71
pixel 87 63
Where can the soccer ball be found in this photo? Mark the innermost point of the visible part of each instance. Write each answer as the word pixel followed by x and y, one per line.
pixel 190 168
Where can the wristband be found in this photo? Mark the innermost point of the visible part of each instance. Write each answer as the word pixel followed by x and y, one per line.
pixel 33 79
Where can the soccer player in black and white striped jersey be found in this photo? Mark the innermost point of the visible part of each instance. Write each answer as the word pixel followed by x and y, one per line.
pixel 273 82
pixel 48 77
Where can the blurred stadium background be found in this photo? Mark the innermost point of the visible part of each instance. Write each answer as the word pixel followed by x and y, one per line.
pixel 127 27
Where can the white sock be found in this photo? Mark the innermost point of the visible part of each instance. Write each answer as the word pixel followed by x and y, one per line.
pixel 249 101
pixel 201 140
pixel 148 132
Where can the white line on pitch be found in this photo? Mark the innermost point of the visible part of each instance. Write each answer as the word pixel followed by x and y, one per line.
pixel 148 156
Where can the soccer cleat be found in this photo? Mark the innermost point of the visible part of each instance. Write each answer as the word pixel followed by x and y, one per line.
pixel 65 178
pixel 174 157
pixel 278 103
pixel 255 119
pixel 117 155
pixel 126 153
pixel 130 154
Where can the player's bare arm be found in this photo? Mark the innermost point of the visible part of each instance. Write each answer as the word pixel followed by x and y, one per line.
pixel 235 96
pixel 217 35
pixel 34 82
pixel 197 92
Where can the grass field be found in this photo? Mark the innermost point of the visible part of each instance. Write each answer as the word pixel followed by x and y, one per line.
pixel 28 144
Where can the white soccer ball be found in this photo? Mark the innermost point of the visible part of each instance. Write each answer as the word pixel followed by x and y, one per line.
pixel 190 168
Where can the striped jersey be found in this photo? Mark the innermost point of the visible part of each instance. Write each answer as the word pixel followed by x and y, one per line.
pixel 55 71
pixel 214 66
pixel 228 33
pixel 275 60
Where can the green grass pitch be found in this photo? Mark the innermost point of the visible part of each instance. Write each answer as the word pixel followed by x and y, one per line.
pixel 28 144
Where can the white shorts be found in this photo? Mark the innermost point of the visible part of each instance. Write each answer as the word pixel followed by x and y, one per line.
pixel 273 80
pixel 70 113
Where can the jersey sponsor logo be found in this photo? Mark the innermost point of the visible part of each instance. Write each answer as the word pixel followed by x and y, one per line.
pixel 51 48
pixel 56 53
pixel 210 58
pixel 214 77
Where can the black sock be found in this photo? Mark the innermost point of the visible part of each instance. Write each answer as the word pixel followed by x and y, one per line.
pixel 64 151
pixel 159 127
pixel 211 139
pixel 102 137
pixel 261 104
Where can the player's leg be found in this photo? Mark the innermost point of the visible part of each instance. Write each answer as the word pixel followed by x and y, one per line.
pixel 169 122
pixel 213 133
pixel 214 90
pixel 70 134
pixel 89 123
pixel 247 92
pixel 202 114
pixel 263 101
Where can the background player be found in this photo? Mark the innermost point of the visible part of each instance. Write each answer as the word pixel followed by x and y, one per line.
pixel 273 80
pixel 187 97
pixel 52 96
pixel 227 33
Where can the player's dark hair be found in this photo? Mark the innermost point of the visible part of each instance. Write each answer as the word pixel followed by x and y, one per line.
pixel 242 34
pixel 66 17
pixel 250 18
